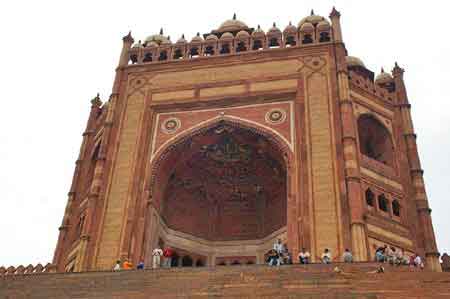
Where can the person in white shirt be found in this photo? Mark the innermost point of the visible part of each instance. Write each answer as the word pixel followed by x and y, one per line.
pixel 326 256
pixel 418 261
pixel 347 256
pixel 304 256
pixel 157 253
pixel 278 247
pixel 117 266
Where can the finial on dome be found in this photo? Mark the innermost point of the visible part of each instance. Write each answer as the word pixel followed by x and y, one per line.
pixel 259 26
pixel 161 31
pixel 182 36
pixel 334 13
pixel 312 12
pixel 168 37
pixel 382 69
pixel 96 101
pixel 198 33
pixel 234 16
pixel 274 25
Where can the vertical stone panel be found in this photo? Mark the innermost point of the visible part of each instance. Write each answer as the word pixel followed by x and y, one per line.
pixel 118 193
pixel 324 195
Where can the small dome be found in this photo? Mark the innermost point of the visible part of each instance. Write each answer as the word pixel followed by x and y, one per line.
pixel 242 34
pixel 137 45
pixel 152 44
pixel 354 61
pixel 212 37
pixel 274 29
pixel 167 42
pixel 323 25
pixel 313 19
pixel 258 32
pixel 290 28
pixel 197 38
pixel 182 40
pixel 307 27
pixel 226 35
pixel 383 78
pixel 232 25
pixel 157 38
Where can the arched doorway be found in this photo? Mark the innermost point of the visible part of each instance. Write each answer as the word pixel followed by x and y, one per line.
pixel 220 190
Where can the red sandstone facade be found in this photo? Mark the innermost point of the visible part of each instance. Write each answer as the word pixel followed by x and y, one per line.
pixel 221 145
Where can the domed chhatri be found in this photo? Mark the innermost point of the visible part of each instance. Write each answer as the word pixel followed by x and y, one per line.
pixel 274 28
pixel 232 25
pixel 227 35
pixel 383 77
pixel 313 19
pixel 197 38
pixel 354 61
pixel 211 37
pixel 242 34
pixel 290 28
pixel 157 38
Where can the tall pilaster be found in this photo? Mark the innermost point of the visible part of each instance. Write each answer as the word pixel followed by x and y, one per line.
pixel 426 239
pixel 102 172
pixel 67 221
pixel 350 148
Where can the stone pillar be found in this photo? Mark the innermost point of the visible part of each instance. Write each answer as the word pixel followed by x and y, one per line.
pixel 426 238
pixel 351 152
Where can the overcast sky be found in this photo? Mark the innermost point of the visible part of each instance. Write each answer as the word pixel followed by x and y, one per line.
pixel 56 55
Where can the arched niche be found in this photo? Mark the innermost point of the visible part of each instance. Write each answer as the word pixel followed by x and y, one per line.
pixel 375 140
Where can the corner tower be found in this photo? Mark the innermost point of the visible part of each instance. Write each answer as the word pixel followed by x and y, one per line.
pixel 220 145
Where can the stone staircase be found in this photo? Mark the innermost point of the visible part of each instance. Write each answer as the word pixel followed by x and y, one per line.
pixel 257 281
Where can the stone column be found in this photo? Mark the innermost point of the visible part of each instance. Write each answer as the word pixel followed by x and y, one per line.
pixel 350 149
pixel 426 238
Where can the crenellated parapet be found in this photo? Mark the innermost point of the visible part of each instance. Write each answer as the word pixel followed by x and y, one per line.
pixel 232 37
pixel 30 269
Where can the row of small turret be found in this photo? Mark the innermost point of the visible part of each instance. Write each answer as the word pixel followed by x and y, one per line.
pixel 232 36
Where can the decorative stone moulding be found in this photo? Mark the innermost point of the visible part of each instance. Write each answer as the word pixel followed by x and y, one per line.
pixel 170 125
pixel 275 116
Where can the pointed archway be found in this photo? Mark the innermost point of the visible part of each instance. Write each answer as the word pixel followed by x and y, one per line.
pixel 223 183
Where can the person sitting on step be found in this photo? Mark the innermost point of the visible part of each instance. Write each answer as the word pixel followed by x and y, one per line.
pixel 304 256
pixel 379 255
pixel 117 266
pixel 273 258
pixel 347 256
pixel 326 256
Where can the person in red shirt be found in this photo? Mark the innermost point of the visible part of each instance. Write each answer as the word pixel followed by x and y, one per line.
pixel 168 253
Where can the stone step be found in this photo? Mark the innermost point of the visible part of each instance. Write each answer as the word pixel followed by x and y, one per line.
pixel 257 281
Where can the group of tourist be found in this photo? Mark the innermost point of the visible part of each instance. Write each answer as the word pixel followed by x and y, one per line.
pixel 388 254
pixel 159 258
pixel 280 255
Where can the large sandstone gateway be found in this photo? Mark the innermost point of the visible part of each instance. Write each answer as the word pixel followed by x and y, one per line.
pixel 220 145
